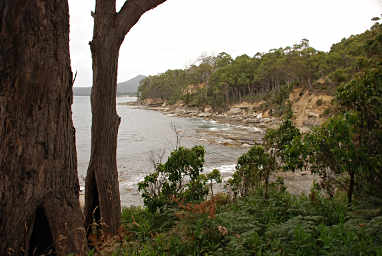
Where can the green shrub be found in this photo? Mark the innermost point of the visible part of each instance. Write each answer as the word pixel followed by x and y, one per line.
pixel 179 178
pixel 253 170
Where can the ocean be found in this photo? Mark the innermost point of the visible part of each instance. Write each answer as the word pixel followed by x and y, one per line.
pixel 144 136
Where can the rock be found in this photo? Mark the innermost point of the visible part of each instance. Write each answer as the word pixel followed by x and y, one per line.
pixel 252 121
pixel 266 114
pixel 234 111
pixel 180 111
pixel 310 123
pixel 257 130
pixel 313 115
pixel 208 109
pixel 225 142
pixel 204 114
pixel 179 103
pixel 266 120
pixel 157 102
pixel 238 118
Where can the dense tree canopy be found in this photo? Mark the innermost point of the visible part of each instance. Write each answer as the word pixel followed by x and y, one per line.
pixel 220 80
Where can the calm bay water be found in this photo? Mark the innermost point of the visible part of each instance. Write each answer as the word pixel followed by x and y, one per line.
pixel 144 135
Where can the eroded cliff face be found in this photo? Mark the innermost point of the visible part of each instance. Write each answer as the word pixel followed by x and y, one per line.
pixel 309 107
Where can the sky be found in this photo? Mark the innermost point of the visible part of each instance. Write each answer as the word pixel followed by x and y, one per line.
pixel 176 33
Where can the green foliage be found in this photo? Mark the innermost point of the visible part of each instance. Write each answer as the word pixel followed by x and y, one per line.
pixel 167 86
pixel 279 100
pixel 180 177
pixel 221 81
pixel 332 151
pixel 281 225
pixel 266 220
pixel 252 171
pixel 285 144
pixel 361 100
pixel 284 150
pixel 216 176
pixel 346 150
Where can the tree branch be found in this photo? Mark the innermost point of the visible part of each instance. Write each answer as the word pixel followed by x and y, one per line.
pixel 131 12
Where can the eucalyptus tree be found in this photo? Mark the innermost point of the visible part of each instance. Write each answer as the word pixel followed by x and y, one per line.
pixel 39 189
pixel 102 198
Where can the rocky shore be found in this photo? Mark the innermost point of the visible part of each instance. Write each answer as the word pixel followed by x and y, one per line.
pixel 308 110
pixel 247 127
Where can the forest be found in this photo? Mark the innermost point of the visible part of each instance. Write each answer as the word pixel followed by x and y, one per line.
pixel 220 81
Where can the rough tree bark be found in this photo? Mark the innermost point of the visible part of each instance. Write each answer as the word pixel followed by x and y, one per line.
pixel 102 199
pixel 39 189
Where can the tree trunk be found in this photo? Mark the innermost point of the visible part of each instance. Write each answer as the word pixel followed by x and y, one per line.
pixel 39 189
pixel 102 186
pixel 266 192
pixel 102 198
pixel 351 187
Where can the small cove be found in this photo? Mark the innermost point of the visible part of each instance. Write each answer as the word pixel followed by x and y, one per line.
pixel 145 134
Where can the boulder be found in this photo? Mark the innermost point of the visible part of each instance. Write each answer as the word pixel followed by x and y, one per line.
pixel 234 111
pixel 203 114
pixel 208 109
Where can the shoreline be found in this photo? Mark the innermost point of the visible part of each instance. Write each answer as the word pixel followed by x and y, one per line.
pixel 247 130
pixel 238 115
pixel 246 127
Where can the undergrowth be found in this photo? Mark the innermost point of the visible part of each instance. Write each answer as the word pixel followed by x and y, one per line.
pixel 281 225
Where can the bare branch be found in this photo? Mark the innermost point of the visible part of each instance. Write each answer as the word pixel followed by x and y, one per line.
pixel 156 158
pixel 131 12
pixel 74 79
pixel 177 134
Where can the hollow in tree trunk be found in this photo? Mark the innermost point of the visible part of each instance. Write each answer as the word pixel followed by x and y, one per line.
pixel 39 189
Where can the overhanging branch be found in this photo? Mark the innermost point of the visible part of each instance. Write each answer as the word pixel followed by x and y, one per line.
pixel 131 12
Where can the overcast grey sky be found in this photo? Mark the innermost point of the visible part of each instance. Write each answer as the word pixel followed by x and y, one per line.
pixel 177 32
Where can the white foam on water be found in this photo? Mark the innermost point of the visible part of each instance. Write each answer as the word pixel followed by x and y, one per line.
pixel 256 129
pixel 132 183
pixel 228 169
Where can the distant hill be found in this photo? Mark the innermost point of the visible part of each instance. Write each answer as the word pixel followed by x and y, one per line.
pixel 127 87
pixel 130 86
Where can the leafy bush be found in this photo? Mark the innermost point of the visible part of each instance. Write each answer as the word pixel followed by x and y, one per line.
pixel 285 144
pixel 361 99
pixel 281 225
pixel 179 178
pixel 346 150
pixel 252 171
